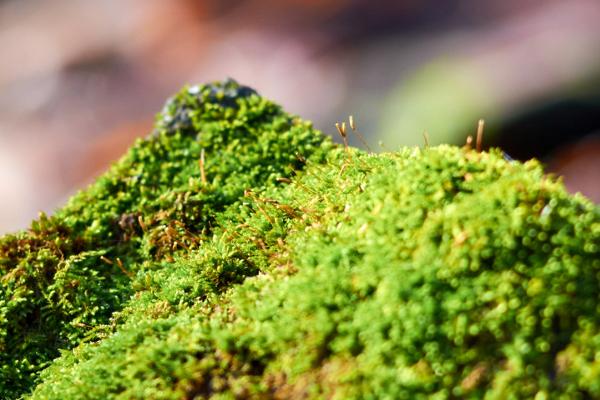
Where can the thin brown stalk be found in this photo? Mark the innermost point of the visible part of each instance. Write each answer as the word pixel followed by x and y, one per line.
pixel 426 137
pixel 358 134
pixel 480 126
pixel 202 172
pixel 122 268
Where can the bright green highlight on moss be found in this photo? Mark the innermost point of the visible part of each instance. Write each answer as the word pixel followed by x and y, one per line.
pixel 300 270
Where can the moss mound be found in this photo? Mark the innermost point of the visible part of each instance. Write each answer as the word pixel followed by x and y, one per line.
pixel 285 267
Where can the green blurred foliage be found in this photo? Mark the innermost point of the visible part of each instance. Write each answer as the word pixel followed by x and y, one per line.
pixel 444 98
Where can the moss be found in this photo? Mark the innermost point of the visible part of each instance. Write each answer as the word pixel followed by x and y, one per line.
pixel 69 273
pixel 300 270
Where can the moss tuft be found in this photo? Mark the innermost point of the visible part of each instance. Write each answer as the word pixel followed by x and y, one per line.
pixel 297 269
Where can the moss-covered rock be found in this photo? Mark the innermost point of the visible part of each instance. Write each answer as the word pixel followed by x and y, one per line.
pixel 285 267
pixel 64 277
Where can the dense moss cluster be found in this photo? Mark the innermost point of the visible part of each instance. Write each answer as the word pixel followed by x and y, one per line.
pixel 285 267
pixel 64 277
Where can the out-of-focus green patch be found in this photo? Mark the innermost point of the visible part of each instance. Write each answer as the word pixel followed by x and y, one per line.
pixel 443 98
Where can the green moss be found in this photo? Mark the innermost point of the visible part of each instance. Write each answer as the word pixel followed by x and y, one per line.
pixel 434 273
pixel 68 273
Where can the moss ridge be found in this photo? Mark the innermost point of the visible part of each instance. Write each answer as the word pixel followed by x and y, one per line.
pixel 67 274
pixel 436 273
pixel 300 270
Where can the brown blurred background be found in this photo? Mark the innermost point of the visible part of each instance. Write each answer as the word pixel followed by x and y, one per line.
pixel 81 79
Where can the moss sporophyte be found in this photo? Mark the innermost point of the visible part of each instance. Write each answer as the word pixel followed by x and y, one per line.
pixel 238 253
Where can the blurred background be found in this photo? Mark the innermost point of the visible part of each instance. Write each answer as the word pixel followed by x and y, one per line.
pixel 81 79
